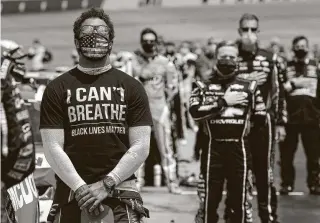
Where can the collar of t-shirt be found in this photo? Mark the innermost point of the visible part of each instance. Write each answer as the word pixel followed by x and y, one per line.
pixel 94 71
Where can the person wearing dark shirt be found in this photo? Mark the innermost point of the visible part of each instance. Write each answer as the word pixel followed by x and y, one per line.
pixel 95 124
pixel 303 98
pixel 264 67
pixel 227 105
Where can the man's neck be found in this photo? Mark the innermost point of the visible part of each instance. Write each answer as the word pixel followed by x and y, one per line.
pixel 148 55
pixel 248 50
pixel 83 62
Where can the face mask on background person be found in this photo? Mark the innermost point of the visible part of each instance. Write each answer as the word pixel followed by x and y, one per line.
pixel 249 41
pixel 94 45
pixel 149 46
pixel 226 68
pixel 300 53
pixel 170 51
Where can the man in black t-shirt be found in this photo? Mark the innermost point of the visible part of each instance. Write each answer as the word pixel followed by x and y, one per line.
pixel 95 125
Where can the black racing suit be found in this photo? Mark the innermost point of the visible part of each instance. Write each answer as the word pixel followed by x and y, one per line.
pixel 17 146
pixel 303 118
pixel 227 156
pixel 263 137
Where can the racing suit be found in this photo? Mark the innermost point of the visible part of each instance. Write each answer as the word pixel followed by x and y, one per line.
pixel 227 156
pixel 303 118
pixel 17 148
pixel 159 77
pixel 177 107
pixel 263 137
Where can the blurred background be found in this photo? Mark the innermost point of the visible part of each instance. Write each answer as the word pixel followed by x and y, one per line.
pixel 48 24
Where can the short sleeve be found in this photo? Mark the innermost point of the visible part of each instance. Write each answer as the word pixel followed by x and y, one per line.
pixel 139 113
pixel 51 111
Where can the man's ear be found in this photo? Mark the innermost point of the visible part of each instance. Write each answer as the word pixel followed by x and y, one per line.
pixel 76 43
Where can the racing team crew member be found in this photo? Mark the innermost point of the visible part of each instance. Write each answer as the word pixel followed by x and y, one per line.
pixel 303 98
pixel 264 67
pixel 230 106
pixel 17 145
pixel 159 78
pixel 95 126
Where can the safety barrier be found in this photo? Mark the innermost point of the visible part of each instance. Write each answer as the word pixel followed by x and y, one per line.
pixel 27 6
pixel 135 4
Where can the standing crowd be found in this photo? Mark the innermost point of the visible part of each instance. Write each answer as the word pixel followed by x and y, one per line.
pixel 238 99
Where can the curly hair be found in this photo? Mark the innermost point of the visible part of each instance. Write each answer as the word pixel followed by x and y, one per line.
pixel 93 13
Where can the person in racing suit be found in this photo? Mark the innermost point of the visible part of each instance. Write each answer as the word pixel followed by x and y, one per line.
pixel 177 107
pixel 159 77
pixel 303 97
pixel 230 106
pixel 17 146
pixel 264 67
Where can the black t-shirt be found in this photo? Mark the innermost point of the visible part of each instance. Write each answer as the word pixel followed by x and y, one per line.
pixel 95 112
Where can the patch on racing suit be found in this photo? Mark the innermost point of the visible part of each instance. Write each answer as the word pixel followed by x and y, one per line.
pixel 201 190
pixel 248 203
pixel 253 86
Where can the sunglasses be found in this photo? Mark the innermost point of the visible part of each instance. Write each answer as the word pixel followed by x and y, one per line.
pixel 246 29
pixel 88 29
pixel 149 41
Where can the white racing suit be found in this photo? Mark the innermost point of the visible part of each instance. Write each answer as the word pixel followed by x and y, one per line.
pixel 159 77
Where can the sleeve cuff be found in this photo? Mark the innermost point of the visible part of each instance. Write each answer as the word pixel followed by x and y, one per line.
pixel 222 103
pixel 115 177
pixel 293 86
pixel 78 185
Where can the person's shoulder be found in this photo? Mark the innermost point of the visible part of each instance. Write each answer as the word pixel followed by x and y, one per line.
pixel 251 85
pixel 63 78
pixel 312 61
pixel 162 59
pixel 265 53
pixel 125 78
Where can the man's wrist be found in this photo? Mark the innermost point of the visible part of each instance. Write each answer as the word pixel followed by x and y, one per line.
pixel 109 183
pixel 79 185
pixel 293 86
pixel 222 103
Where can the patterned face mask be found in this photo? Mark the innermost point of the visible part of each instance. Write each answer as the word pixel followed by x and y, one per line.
pixel 94 46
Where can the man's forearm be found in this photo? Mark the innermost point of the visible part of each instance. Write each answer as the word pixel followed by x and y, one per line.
pixel 202 112
pixel 59 161
pixel 135 156
pixel 282 104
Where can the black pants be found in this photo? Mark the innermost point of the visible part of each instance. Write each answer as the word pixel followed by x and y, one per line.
pixel 122 213
pixel 263 154
pixel 226 160
pixel 310 135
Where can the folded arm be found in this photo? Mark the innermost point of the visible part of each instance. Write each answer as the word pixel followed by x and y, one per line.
pixel 201 111
pixel 53 140
pixel 139 138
